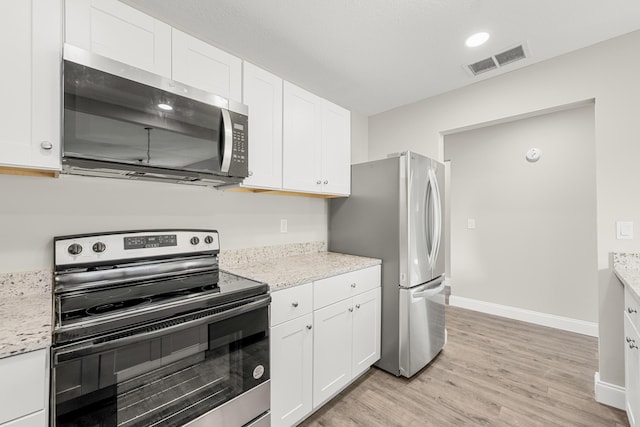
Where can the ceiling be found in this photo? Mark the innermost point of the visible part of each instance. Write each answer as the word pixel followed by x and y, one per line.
pixel 374 55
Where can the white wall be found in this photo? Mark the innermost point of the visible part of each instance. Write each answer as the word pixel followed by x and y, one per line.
pixel 607 72
pixel 34 210
pixel 359 138
pixel 534 242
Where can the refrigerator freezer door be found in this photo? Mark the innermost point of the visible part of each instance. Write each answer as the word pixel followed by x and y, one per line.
pixel 422 325
pixel 424 215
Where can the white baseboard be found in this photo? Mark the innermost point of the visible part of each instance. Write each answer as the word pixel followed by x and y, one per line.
pixel 608 394
pixel 544 319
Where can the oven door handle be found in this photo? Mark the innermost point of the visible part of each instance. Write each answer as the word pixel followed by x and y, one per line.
pixel 91 347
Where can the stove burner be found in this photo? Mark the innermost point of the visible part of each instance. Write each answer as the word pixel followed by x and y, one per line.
pixel 120 305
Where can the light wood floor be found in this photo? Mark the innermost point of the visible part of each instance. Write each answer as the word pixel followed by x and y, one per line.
pixel 493 371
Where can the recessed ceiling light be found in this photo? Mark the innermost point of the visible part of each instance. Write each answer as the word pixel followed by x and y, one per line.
pixel 165 107
pixel 477 39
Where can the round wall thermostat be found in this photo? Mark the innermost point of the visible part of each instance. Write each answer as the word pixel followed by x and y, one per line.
pixel 533 155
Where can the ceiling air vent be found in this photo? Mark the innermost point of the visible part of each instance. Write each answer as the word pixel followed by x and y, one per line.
pixel 482 66
pixel 510 55
pixel 498 60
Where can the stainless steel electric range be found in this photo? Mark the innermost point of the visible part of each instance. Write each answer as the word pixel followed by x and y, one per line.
pixel 148 332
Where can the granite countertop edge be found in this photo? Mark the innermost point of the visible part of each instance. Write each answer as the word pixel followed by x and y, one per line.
pixel 626 267
pixel 317 266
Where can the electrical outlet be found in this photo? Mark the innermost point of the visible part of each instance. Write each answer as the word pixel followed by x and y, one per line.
pixel 283 225
pixel 471 223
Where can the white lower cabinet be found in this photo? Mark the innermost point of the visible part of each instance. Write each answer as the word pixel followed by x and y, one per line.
pixel 332 350
pixel 632 358
pixel 291 368
pixel 323 335
pixel 24 389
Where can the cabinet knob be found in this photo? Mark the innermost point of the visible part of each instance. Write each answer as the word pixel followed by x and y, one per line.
pixel 318 182
pixel 350 309
pixel 631 310
pixel 46 145
pixel 326 181
pixel 357 305
pixel 250 173
pixel 628 339
pixel 353 285
pixel 309 327
pixel 632 345
pixel 294 304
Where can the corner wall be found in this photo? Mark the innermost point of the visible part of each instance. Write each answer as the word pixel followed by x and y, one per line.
pixel 607 72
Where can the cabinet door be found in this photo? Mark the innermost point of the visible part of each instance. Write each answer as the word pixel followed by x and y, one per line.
pixel 23 385
pixel 331 350
pixel 39 419
pixel 203 66
pixel 115 30
pixel 632 371
pixel 336 149
pixel 291 360
pixel 301 169
pixel 31 138
pixel 366 331
pixel 263 94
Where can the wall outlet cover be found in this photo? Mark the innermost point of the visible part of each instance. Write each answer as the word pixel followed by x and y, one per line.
pixel 624 230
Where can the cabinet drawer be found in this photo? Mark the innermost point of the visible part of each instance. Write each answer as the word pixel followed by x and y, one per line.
pixel 290 303
pixel 333 289
pixel 632 307
pixel 22 388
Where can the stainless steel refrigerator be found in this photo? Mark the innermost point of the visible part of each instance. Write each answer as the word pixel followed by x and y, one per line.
pixel 395 213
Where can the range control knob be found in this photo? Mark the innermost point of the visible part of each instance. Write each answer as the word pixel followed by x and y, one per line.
pixel 194 240
pixel 74 249
pixel 208 240
pixel 99 247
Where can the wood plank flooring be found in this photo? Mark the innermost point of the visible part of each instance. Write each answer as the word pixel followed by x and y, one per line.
pixel 493 371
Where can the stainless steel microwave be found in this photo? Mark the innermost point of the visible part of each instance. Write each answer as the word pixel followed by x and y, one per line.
pixel 124 122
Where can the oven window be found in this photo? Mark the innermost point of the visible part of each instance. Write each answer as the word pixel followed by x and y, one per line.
pixel 168 380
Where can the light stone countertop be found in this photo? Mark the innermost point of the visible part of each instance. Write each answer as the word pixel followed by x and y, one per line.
pixel 627 268
pixel 25 312
pixel 282 273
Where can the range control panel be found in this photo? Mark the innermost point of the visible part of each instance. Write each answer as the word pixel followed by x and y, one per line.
pixel 101 247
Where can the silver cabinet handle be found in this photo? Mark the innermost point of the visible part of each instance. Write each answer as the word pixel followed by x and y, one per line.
pixel 631 310
pixel 46 145
pixel 629 339
pixel 350 309
pixel 326 181
pixel 357 305
pixel 318 182
pixel 309 327
pixel 294 304
pixel 250 173
pixel 353 285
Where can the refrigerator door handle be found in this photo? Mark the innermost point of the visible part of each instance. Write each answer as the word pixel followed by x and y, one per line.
pixel 433 191
pixel 429 292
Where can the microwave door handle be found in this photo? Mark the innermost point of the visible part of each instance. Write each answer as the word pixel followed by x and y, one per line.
pixel 227 141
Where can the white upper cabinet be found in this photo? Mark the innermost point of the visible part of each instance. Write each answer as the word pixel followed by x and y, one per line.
pixel 336 149
pixel 115 30
pixel 263 94
pixel 302 136
pixel 201 65
pixel 316 144
pixel 30 138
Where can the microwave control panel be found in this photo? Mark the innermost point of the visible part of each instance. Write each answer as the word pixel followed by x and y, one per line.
pixel 240 152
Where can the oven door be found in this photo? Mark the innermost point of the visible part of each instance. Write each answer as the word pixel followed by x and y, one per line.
pixel 168 373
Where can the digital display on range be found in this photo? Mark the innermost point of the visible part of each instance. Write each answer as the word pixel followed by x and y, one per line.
pixel 141 242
